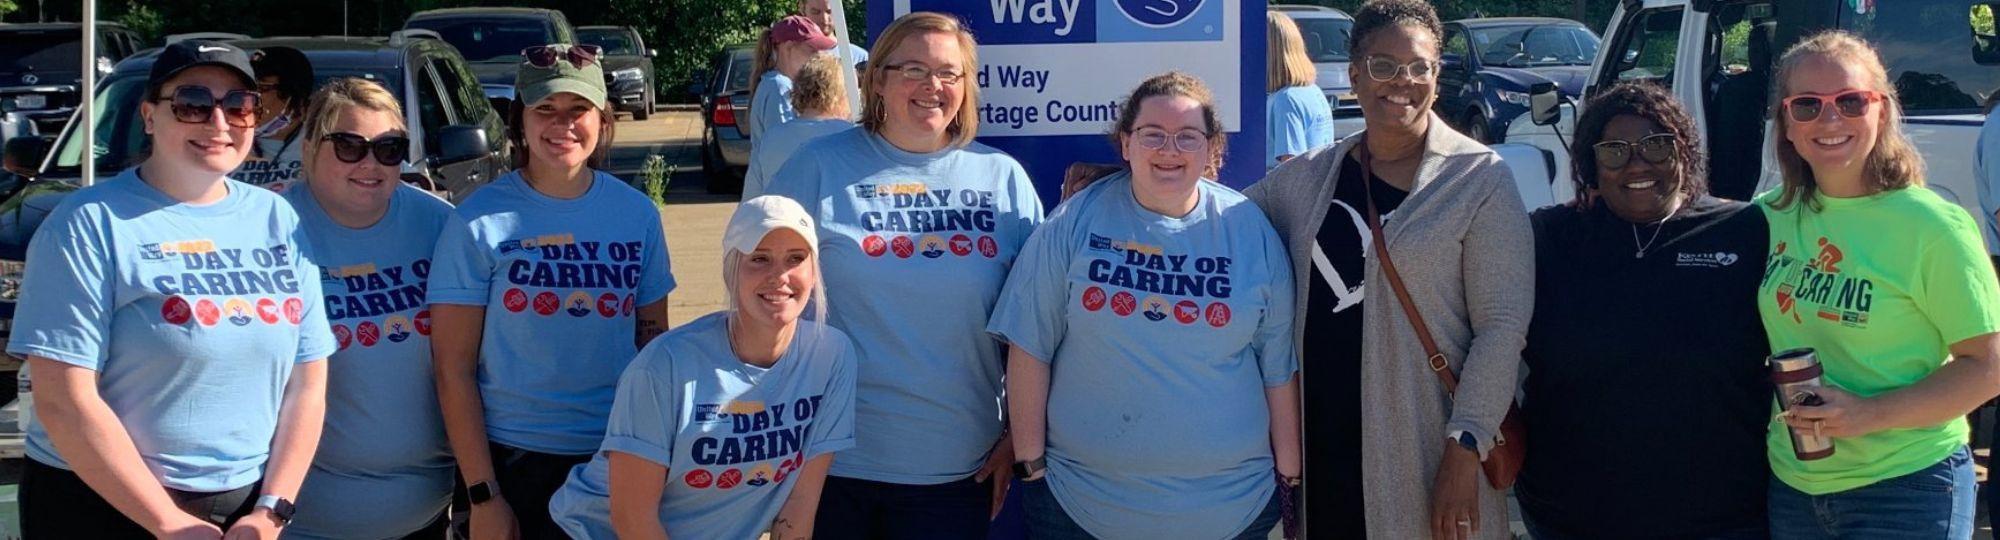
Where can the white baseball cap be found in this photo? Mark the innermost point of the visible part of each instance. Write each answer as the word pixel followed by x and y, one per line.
pixel 757 217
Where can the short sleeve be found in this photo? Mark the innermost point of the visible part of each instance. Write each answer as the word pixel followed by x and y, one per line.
pixel 1029 315
pixel 1277 356
pixel 64 311
pixel 461 266
pixel 1027 202
pixel 645 414
pixel 315 337
pixel 798 179
pixel 657 274
pixel 1286 129
pixel 1958 291
pixel 833 424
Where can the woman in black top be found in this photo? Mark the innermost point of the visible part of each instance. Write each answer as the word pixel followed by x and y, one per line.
pixel 1646 395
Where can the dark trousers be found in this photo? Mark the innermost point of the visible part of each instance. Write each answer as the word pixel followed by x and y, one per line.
pixel 55 503
pixel 852 509
pixel 527 480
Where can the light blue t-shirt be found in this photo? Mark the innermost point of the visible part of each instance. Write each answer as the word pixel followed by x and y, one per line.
pixel 383 469
pixel 1297 119
pixel 730 434
pixel 560 280
pixel 857 54
pixel 779 144
pixel 915 248
pixel 1986 175
pixel 771 105
pixel 192 317
pixel 1162 335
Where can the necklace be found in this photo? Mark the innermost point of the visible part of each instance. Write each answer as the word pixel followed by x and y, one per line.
pixel 1661 226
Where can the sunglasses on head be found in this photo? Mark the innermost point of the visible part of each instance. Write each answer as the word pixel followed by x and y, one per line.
pixel 350 148
pixel 1851 104
pixel 197 105
pixel 1657 148
pixel 545 56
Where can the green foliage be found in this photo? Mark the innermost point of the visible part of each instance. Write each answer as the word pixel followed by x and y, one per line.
pixel 8 6
pixel 654 175
pixel 1982 20
pixel 141 19
pixel 1595 13
pixel 689 32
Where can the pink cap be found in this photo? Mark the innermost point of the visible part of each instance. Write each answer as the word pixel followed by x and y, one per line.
pixel 798 28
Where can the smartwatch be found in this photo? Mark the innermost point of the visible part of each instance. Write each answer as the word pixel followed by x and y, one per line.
pixel 479 493
pixel 280 507
pixel 1025 469
pixel 1468 441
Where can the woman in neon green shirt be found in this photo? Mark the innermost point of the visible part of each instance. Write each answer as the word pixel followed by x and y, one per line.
pixel 1890 284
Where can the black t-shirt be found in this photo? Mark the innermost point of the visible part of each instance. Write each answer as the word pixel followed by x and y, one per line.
pixel 1647 396
pixel 1331 370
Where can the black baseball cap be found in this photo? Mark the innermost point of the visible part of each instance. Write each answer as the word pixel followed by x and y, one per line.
pixel 182 55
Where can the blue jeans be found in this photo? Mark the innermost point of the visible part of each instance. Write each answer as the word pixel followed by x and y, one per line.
pixel 1048 521
pixel 1937 502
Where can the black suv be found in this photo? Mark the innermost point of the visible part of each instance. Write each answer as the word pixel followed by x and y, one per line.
pixel 628 67
pixel 491 38
pixel 40 67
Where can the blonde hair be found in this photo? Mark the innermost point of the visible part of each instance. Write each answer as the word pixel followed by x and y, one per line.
pixel 1894 164
pixel 963 128
pixel 820 89
pixel 815 313
pixel 1287 63
pixel 335 98
pixel 1176 84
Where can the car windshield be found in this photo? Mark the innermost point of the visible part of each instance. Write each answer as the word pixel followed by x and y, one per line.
pixel 45 51
pixel 481 40
pixel 1533 46
pixel 1928 47
pixel 614 42
pixel 1326 39
pixel 739 72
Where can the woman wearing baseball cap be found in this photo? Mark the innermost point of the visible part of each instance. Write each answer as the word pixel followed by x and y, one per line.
pixel 284 81
pixel 544 285
pixel 173 327
pixel 726 426
pixel 781 52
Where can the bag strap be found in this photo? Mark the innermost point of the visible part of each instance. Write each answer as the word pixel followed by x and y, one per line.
pixel 1434 359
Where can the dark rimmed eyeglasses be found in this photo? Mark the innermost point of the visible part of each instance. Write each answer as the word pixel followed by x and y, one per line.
pixel 1657 149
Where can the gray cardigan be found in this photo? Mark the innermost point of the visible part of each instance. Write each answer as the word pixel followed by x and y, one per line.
pixel 1462 243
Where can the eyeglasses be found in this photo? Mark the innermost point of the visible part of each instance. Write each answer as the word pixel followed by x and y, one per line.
pixel 912 71
pixel 197 105
pixel 1657 149
pixel 1186 140
pixel 350 148
pixel 1383 69
pixel 1851 104
pixel 545 56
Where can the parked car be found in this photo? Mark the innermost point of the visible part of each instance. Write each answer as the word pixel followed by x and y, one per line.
pixel 724 88
pixel 628 67
pixel 1325 31
pixel 1490 64
pixel 491 38
pixel 41 67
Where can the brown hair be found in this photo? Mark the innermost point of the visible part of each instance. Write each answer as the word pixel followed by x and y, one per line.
pixel 820 88
pixel 963 128
pixel 762 59
pixel 1175 84
pixel 1895 163
pixel 336 97
pixel 517 136
pixel 1286 62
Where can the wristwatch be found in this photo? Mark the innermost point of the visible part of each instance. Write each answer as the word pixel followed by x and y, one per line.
pixel 1025 469
pixel 1465 439
pixel 479 493
pixel 280 507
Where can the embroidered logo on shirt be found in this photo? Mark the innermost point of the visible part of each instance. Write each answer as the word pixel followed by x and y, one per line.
pixel 1717 259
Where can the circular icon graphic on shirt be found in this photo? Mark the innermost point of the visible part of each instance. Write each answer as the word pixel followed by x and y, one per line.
pixel 1186 311
pixel 423 322
pixel 761 475
pixel 1093 299
pixel 206 313
pixel 729 479
pixel 631 304
pixel 1218 314
pixel 267 310
pixel 546 303
pixel 607 305
pixel 396 328
pixel 1156 308
pixel 903 247
pixel 784 469
pixel 933 246
pixel 989 247
pixel 515 300
pixel 367 333
pixel 961 245
pixel 295 310
pixel 874 245
pixel 238 311
pixel 176 311
pixel 698 479
pixel 578 304
pixel 342 336
pixel 1124 303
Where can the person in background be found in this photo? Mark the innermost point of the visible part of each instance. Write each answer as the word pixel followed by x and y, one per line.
pixel 284 81
pixel 1646 404
pixel 1882 278
pixel 544 285
pixel 383 469
pixel 175 331
pixel 913 287
pixel 1195 379
pixel 1400 456
pixel 1297 117
pixel 726 426
pixel 821 13
pixel 1986 175
pixel 792 40
pixel 819 95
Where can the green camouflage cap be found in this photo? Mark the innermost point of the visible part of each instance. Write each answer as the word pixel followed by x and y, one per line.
pixel 533 84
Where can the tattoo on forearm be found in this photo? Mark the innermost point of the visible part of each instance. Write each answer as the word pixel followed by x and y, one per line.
pixel 649 329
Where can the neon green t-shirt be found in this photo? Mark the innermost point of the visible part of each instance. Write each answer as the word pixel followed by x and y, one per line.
pixel 1880 286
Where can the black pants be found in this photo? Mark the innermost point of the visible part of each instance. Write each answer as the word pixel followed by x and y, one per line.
pixel 851 509
pixel 55 503
pixel 527 480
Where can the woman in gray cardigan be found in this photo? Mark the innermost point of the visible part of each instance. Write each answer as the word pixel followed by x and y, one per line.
pixel 1410 466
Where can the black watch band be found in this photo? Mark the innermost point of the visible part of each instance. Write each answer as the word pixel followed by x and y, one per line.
pixel 479 493
pixel 1024 469
pixel 281 508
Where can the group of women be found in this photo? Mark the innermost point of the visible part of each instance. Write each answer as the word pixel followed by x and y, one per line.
pixel 908 336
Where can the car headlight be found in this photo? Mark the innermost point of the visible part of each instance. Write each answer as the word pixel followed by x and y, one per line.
pixel 627 74
pixel 10 279
pixel 1517 98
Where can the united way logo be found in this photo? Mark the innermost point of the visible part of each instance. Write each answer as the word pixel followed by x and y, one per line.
pixel 1159 20
pixel 1158 13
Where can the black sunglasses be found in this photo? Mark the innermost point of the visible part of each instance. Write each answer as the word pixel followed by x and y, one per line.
pixel 197 105
pixel 1657 148
pixel 545 56
pixel 350 148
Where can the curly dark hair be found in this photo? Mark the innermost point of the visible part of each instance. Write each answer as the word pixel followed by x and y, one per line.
pixel 1381 14
pixel 1644 100
pixel 1174 83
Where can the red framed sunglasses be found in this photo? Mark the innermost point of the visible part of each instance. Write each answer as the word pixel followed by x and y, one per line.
pixel 1804 108
pixel 545 56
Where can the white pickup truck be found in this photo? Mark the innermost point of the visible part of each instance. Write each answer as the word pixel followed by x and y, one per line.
pixel 1717 56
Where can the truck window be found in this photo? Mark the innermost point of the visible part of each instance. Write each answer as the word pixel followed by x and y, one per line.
pixel 1454 43
pixel 1929 47
pixel 430 108
pixel 1647 50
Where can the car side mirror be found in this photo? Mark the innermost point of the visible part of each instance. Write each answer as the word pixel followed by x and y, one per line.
pixel 652 53
pixel 1544 103
pixel 459 144
pixel 25 154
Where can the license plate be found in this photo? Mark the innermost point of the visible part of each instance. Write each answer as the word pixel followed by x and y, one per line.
pixel 30 101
